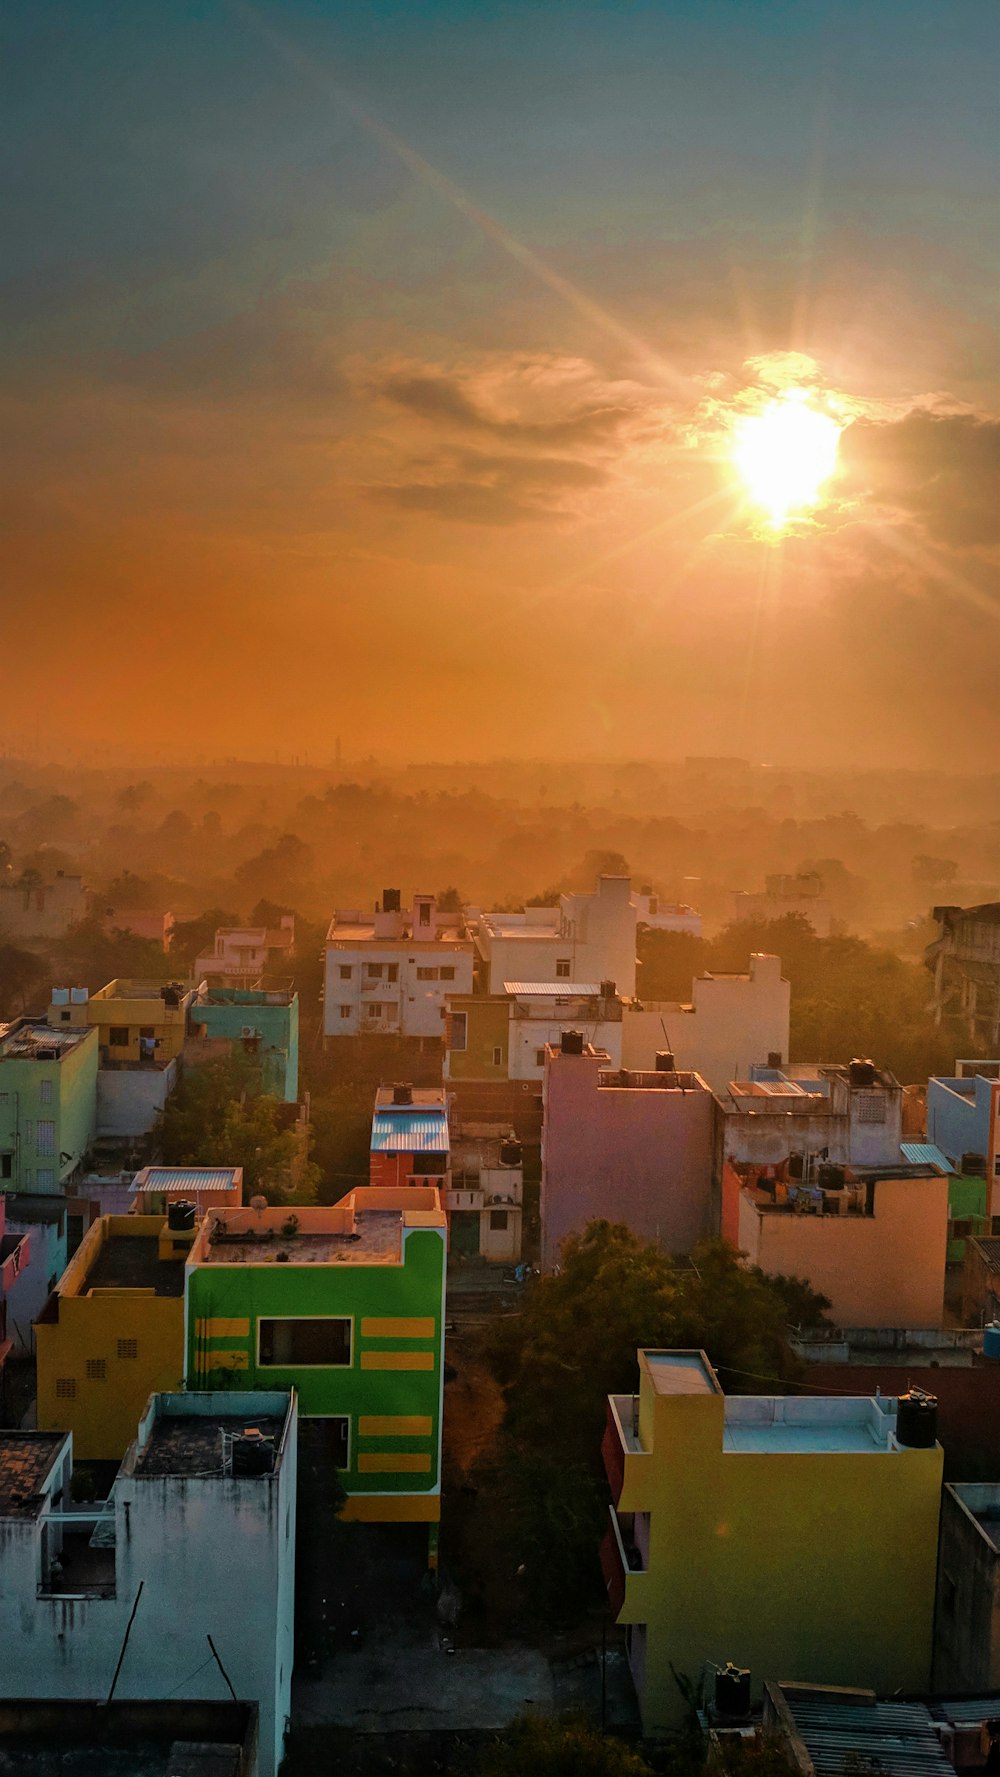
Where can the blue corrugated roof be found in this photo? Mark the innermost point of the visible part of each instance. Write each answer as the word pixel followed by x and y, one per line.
pixel 410 1132
pixel 924 1153
pixel 898 1738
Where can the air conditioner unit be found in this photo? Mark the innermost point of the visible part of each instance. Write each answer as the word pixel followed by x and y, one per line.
pixel 247 1031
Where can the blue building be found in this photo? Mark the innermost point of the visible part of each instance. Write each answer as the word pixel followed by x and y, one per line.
pixel 962 1112
pixel 262 1022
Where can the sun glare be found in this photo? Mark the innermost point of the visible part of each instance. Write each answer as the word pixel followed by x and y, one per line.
pixel 785 453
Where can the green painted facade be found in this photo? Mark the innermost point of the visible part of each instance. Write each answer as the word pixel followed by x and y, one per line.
pixel 394 1375
pixel 487 1029
pixel 48 1109
pixel 228 1010
pixel 966 1202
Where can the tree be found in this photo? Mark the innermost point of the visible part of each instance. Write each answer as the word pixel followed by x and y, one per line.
pixel 218 1116
pixel 134 796
pixel 449 900
pixel 192 937
pixel 90 956
pixel 570 1747
pixel 24 978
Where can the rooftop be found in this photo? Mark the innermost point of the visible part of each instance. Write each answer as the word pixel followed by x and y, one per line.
pixel 145 990
pixel 192 1179
pixel 129 1262
pixel 360 930
pixel 401 1129
pixel 31 1039
pixel 192 1444
pixel 631 1079
pixel 835 1726
pixel 681 1372
pixel 924 1153
pixel 365 1228
pixel 25 1460
pixel 785 1424
pixel 988 1249
pixel 554 990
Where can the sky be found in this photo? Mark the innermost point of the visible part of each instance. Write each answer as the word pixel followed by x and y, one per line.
pixel 370 371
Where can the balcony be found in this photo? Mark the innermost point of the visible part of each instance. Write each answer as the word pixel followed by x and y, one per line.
pixel 627 1463
pixel 625 1566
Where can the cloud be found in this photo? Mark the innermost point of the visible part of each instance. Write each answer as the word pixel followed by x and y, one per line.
pixel 539 404
pixel 494 490
pixel 942 468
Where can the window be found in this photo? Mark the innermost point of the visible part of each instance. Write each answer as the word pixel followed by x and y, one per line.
pixel 995 1225
pixel 306 1343
pixel 375 1010
pixel 46 1179
pixel 345 1011
pixel 128 1348
pixel 65 1017
pixel 427 974
pixel 97 1369
pixel 539 1057
pixel 392 972
pixel 65 1388
pixel 373 971
pixel 346 971
pixel 458 1035
pixel 498 1221
pixel 7 1161
pixel 423 913
pixel 497 1056
pixel 46 1137
pixel 118 1036
pixel 45 1091
pixel 447 972
pixel 562 968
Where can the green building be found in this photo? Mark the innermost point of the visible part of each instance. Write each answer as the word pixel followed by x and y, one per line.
pixel 48 1103
pixel 263 1022
pixel 345 1305
pixel 968 1210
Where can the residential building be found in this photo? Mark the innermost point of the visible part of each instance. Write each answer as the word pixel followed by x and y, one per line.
pixel 963 1119
pixel 968 1196
pixel 627 1146
pixel 183 1577
pixel 872 1239
pixel 410 1140
pixel 731 1024
pixel 242 955
pixel 42 909
pixel 965 961
pixel 784 1533
pixel 967 1620
pixel 155 1188
pixel 112 1332
pixel 485 1196
pixel 981 1280
pixel 660 915
pixel 504 1036
pixel 32 1259
pixel 801 896
pixel 14 1258
pixel 392 971
pixel 587 937
pixel 346 1305
pixel 261 1022
pixel 48 1103
pixel 156 928
pixel 136 1021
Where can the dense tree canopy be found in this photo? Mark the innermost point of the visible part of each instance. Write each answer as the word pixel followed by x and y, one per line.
pixel 218 1116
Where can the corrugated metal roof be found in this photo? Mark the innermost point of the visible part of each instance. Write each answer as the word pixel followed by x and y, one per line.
pixel 898 1738
pixel 187 1178
pixel 410 1132
pixel 550 990
pixel 924 1153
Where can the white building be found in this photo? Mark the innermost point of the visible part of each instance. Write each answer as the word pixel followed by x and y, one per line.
pixel 665 916
pixel 178 1585
pixel 392 971
pixel 588 937
pixel 243 954
pixel 539 1013
pixel 731 1023
pixel 485 1193
pixel 802 895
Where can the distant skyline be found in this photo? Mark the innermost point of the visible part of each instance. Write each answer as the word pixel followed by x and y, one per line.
pixel 370 370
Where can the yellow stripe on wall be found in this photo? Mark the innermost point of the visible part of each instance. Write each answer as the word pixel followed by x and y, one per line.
pixel 222 1329
pixel 397 1327
pixel 396 1463
pixel 395 1425
pixel 397 1360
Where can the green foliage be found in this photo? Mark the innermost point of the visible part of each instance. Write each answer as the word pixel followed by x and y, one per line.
pixel 24 981
pixel 341 1123
pixel 219 1117
pixel 449 900
pixel 90 957
pixel 534 1746
pixel 192 937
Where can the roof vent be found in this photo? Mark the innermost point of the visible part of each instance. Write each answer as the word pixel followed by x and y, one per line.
pixel 402 1094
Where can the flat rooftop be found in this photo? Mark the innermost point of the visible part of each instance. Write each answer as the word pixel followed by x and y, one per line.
pixel 633 1079
pixel 681 1372
pixel 365 1228
pixel 142 990
pixel 795 1424
pixel 25 1460
pixel 131 1262
pixel 191 1444
pixel 554 990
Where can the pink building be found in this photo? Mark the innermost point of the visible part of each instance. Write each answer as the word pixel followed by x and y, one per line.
pixel 626 1146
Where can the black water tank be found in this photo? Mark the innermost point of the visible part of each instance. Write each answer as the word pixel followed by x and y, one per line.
pixel 390 901
pixel 402 1093
pixel 180 1215
pixel 916 1419
pixel 774 1058
pixel 572 1042
pixel 830 1177
pixel 861 1073
pixel 974 1165
pixel 665 1063
pixel 252 1454
pixel 608 989
pixel 732 1690
pixel 795 1165
pixel 510 1153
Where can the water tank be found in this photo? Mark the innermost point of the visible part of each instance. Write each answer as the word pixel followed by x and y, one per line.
pixel 774 1058
pixel 390 901
pixel 665 1063
pixel 861 1073
pixel 402 1093
pixel 79 996
pixel 60 996
pixel 732 1690
pixel 608 989
pixel 572 1042
pixel 830 1177
pixel 252 1454
pixel 180 1215
pixel 916 1419
pixel 510 1153
pixel 991 1340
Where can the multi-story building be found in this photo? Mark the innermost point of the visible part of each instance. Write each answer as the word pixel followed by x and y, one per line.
pixel 967 1619
pixel 503 1036
pixel 965 961
pixel 41 909
pixel 731 1024
pixel 48 1103
pixel 346 1305
pixel 182 1580
pixel 261 1022
pixel 32 1258
pixel 486 1192
pixel 787 1534
pixel 660 915
pixel 392 971
pixel 963 1119
pixel 242 955
pixel 872 1239
pixel 112 1332
pixel 968 1196
pixel 800 895
pixel 627 1146
pixel 136 1021
pixel 587 937
pixel 410 1139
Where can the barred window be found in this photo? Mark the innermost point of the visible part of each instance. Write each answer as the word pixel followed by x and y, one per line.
pixel 871 1107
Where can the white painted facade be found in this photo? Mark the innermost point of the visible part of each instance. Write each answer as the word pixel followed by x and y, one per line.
pixel 588 937
pixel 731 1024
pixel 129 1099
pixel 666 916
pixel 393 973
pixel 213 1554
pixel 539 1018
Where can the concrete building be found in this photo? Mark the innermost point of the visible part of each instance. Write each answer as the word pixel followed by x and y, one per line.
pixel 177 1738
pixel 155 1188
pixel 587 937
pixel 242 955
pixel 659 915
pixel 346 1305
pixel 981 1280
pixel 41 910
pixel 32 1259
pixel 136 1021
pixel 963 1119
pixel 260 1022
pixel 486 1193
pixel 504 1036
pixel 181 1582
pixel 48 1103
pixel 731 1024
pixel 873 1241
pixel 410 1139
pixel 156 928
pixel 112 1333
pixel 965 961
pixel 392 971
pixel 783 1533
pixel 968 1196
pixel 967 1619
pixel 633 1147
pixel 800 895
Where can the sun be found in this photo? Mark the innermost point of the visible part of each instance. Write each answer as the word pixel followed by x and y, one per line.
pixel 785 453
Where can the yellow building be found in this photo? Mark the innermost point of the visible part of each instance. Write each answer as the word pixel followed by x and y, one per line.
pixel 789 1534
pixel 136 1020
pixel 112 1333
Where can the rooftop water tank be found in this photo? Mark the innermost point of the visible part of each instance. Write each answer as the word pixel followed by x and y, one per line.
pixel 253 1454
pixel 916 1419
pixel 390 901
pixel 572 1042
pixel 510 1153
pixel 79 996
pixel 402 1093
pixel 608 989
pixel 60 996
pixel 180 1215
pixel 665 1063
pixel 732 1690
pixel 861 1073
pixel 991 1340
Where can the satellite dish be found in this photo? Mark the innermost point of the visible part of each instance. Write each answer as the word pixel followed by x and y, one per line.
pixel 258 1203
